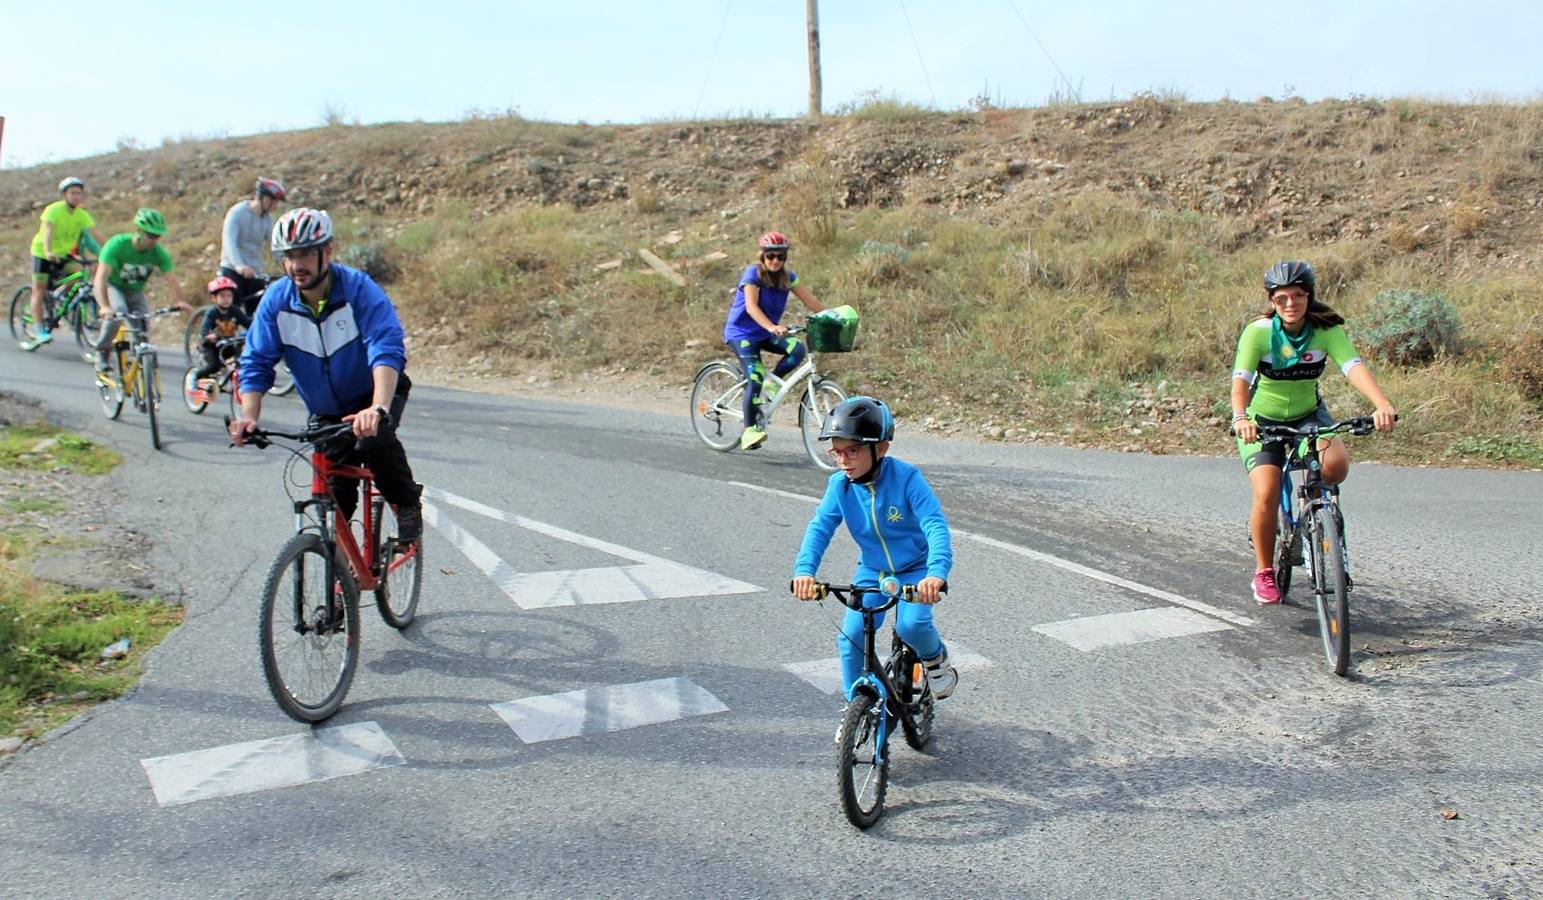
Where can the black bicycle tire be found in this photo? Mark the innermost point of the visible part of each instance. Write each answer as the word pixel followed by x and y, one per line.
pixel 111 396
pixel 1333 594
pixel 861 706
pixel 719 440
pixel 195 407
pixel 149 377
pixel 21 306
pixel 917 727
pixel 398 617
pixel 190 332
pixel 807 406
pixel 1284 534
pixel 293 550
pixel 86 334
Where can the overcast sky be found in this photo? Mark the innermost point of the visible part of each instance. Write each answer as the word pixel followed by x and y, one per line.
pixel 77 79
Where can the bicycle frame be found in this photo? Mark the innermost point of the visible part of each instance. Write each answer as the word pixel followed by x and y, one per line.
pixel 367 569
pixel 129 362
pixel 874 681
pixel 785 386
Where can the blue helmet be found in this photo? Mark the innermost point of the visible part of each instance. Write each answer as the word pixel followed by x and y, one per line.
pixel 861 419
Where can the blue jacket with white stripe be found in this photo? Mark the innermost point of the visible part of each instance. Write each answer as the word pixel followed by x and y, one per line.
pixel 332 354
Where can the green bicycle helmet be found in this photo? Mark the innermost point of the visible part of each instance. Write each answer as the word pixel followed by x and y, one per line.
pixel 150 221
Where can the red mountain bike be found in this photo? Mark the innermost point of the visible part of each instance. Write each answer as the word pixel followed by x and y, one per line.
pixel 309 623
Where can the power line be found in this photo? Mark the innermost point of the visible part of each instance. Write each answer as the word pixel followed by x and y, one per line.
pixel 919 60
pixel 1064 80
pixel 712 58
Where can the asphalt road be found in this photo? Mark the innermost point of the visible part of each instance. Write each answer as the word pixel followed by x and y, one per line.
pixel 1222 762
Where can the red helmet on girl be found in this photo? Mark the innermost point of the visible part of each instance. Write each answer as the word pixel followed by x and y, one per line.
pixel 223 283
pixel 774 240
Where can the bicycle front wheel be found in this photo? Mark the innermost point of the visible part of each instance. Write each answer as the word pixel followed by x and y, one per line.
pixel 21 315
pixel 109 386
pixel 401 577
pixel 308 630
pixel 913 695
pixel 717 399
pixel 150 388
pixel 821 397
pixel 860 776
pixel 1332 589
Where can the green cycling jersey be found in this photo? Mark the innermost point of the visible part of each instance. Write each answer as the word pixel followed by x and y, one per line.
pixel 1284 392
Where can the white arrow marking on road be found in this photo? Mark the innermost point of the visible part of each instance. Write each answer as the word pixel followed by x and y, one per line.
pixel 273 763
pixel 614 708
pixel 653 578
pixel 1058 562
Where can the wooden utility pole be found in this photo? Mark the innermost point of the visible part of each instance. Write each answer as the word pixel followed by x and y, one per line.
pixel 814 57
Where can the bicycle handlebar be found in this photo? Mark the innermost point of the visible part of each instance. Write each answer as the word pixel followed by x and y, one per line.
pixel 263 437
pixel 851 595
pixel 1360 425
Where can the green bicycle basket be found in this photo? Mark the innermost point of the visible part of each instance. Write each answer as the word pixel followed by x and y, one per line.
pixel 833 330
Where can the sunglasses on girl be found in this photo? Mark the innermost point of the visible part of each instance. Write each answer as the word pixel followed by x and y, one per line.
pixel 775 254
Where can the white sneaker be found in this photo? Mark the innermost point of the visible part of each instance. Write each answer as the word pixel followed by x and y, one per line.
pixel 942 678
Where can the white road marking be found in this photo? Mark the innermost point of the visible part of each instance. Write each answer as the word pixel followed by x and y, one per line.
pixel 1058 562
pixel 614 708
pixel 653 578
pixel 1138 627
pixel 825 674
pixel 273 763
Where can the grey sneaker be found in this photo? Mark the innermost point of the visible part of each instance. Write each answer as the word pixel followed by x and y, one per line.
pixel 942 678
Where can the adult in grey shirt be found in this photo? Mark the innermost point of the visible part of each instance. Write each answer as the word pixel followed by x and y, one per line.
pixel 248 226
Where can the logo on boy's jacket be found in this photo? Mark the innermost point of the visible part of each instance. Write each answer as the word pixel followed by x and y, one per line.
pixel 894 514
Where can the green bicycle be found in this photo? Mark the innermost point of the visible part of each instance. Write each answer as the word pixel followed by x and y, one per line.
pixel 70 299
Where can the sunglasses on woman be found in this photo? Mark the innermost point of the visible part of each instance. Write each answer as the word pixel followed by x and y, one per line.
pixel 775 254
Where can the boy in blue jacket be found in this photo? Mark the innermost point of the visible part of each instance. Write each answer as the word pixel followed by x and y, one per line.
pixel 892 514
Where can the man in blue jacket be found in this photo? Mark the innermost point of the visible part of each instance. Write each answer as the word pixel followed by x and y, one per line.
pixel 898 524
pixel 339 334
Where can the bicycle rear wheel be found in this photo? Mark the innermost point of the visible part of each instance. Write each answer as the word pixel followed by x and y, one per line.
pixel 21 315
pixel 905 673
pixel 309 656
pixel 192 334
pixel 402 570
pixel 821 397
pixel 86 319
pixel 861 778
pixel 717 398
pixel 1287 548
pixel 109 386
pixel 194 395
pixel 1332 589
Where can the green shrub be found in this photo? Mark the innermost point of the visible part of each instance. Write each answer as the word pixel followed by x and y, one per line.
pixel 369 257
pixel 1410 327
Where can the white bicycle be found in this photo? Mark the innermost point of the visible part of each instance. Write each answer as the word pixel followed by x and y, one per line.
pixel 717 403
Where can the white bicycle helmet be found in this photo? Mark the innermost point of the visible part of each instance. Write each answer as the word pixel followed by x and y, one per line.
pixel 301 228
pixel 70 182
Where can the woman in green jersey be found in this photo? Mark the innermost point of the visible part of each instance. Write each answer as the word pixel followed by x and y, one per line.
pixel 1281 354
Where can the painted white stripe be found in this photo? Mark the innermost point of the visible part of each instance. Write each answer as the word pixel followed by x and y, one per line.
pixel 1058 562
pixel 274 763
pixel 620 584
pixel 654 579
pixel 614 708
pixel 1141 626
pixel 825 674
pixel 553 531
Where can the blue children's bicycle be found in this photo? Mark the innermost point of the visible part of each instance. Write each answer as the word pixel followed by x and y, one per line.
pixel 887 691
